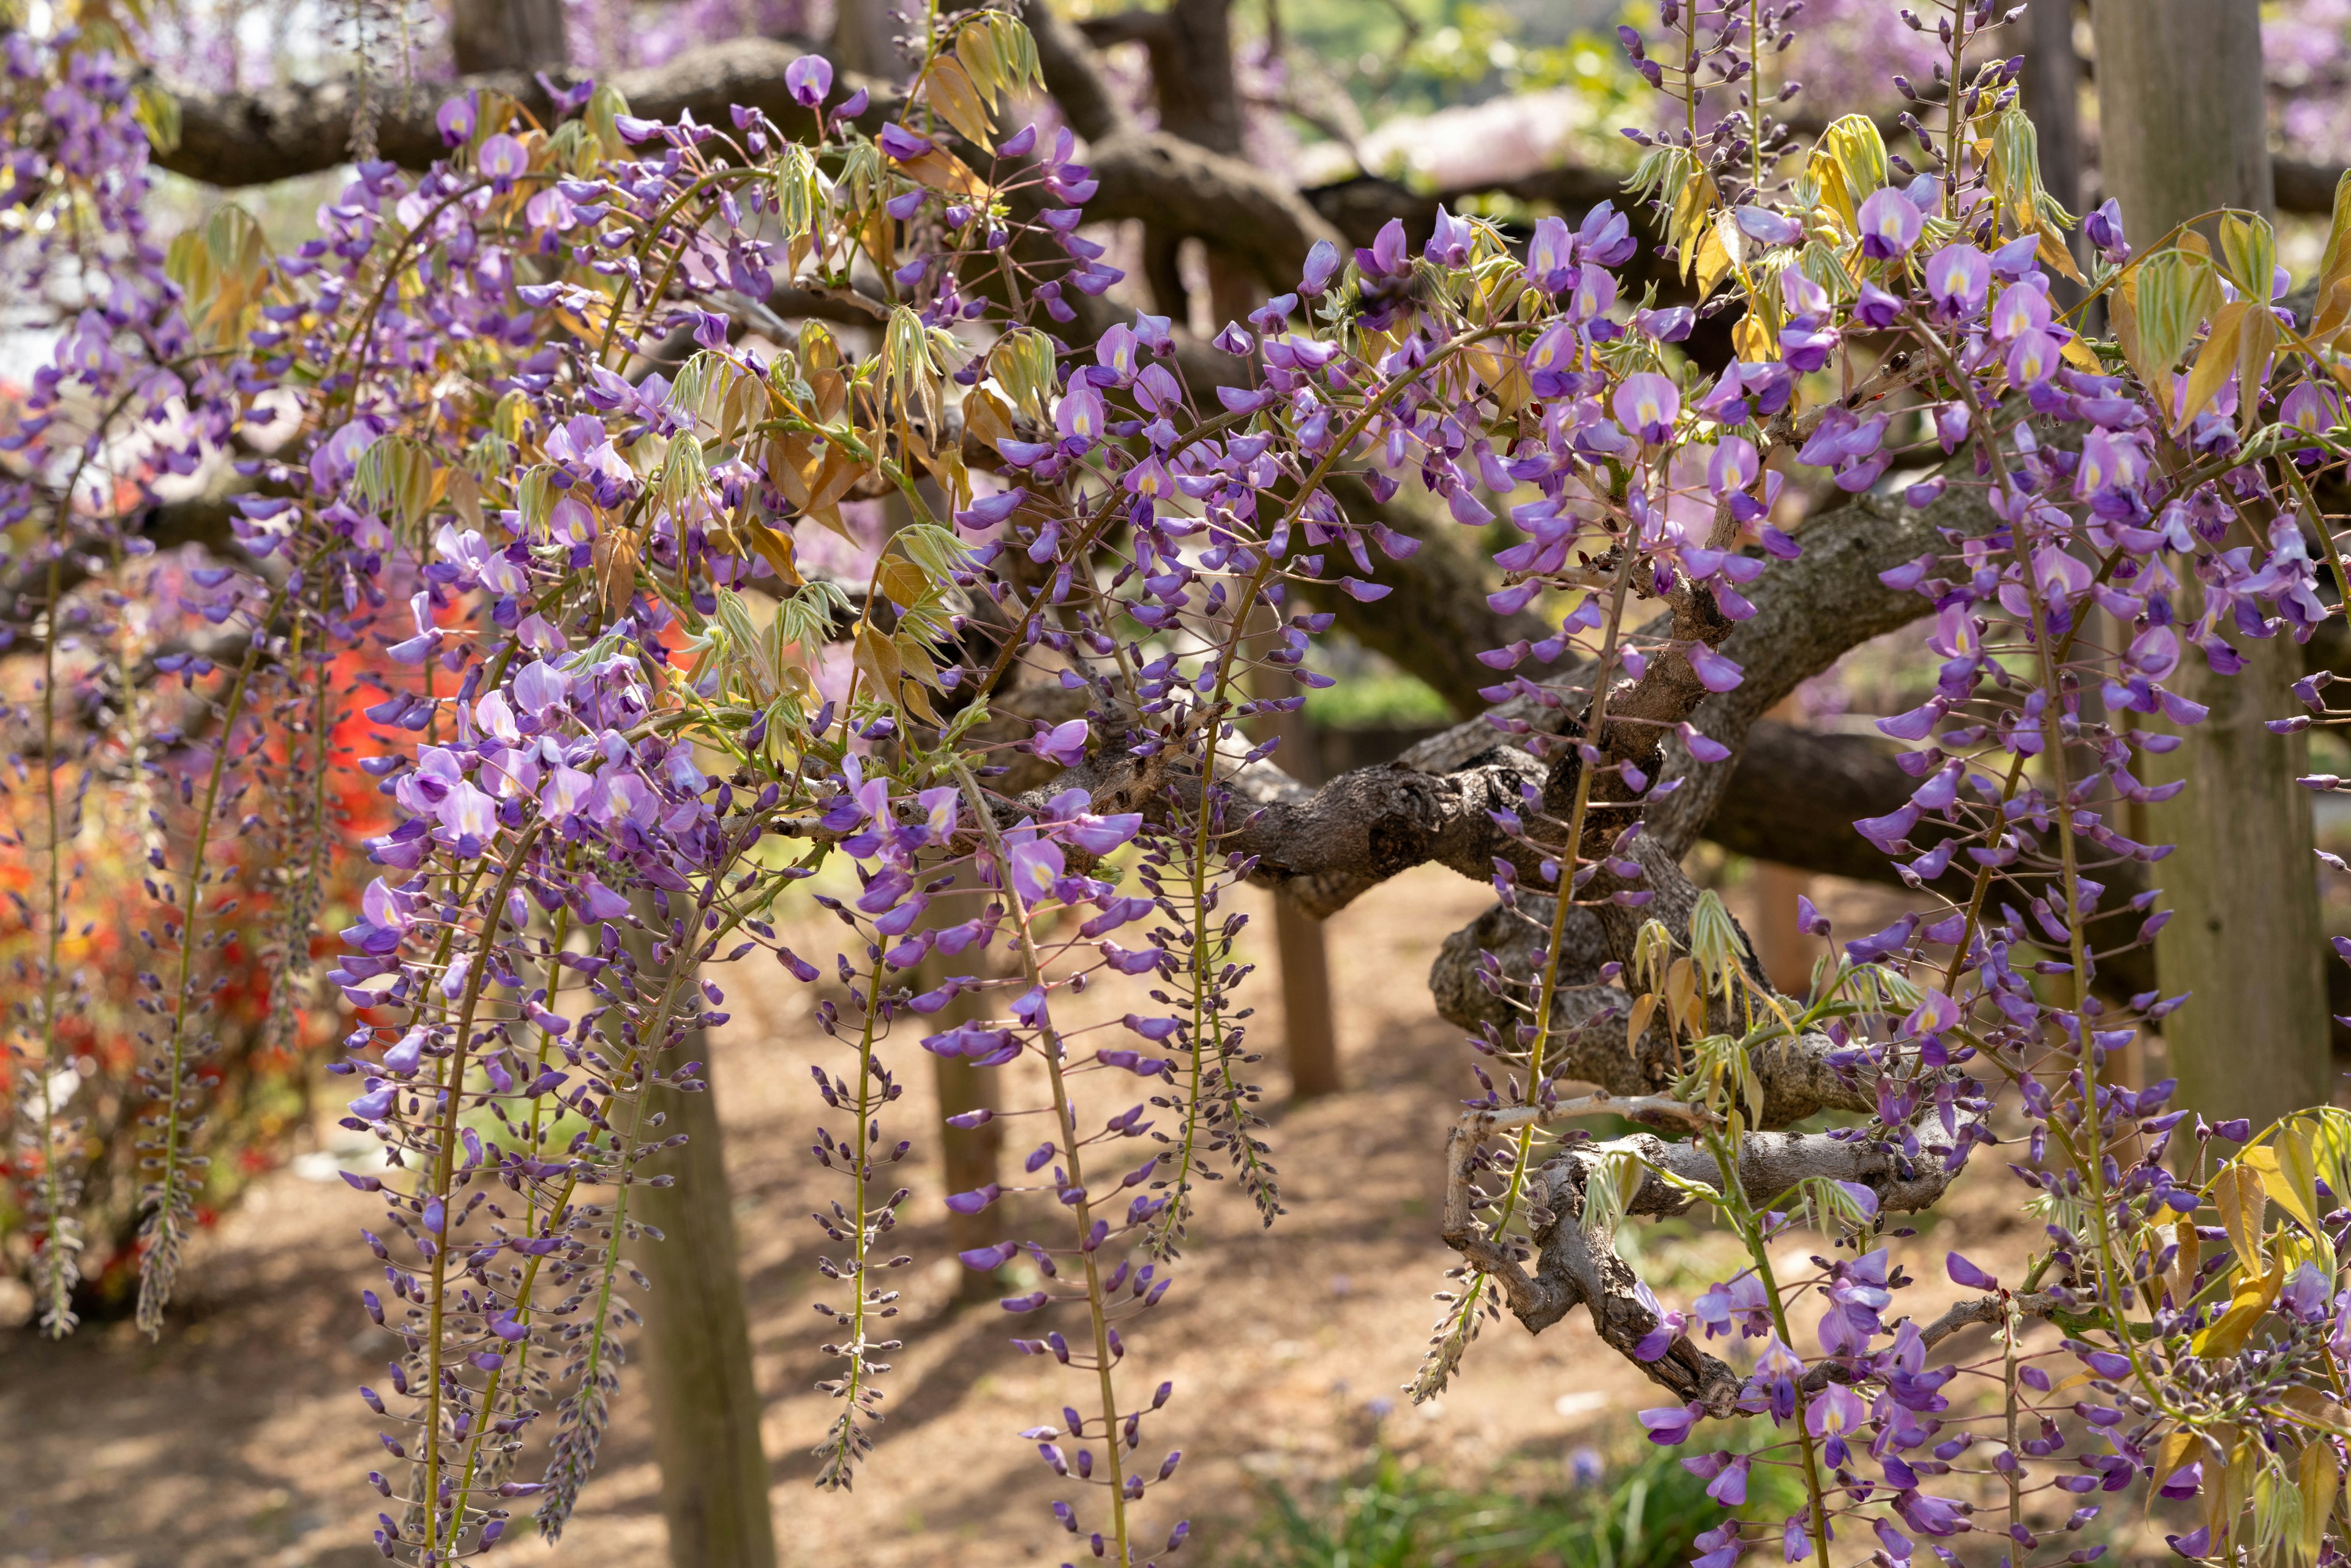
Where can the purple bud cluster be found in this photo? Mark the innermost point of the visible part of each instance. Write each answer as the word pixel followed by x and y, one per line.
pixel 525 438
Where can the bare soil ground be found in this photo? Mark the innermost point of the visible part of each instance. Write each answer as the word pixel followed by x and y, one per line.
pixel 238 1440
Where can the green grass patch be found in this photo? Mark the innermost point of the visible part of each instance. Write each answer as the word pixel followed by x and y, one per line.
pixel 1377 700
pixel 1642 1511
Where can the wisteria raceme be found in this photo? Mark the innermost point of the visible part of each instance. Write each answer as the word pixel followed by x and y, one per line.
pixel 524 429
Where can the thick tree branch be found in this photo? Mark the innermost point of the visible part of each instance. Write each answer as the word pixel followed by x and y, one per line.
pixel 249 139
pixel 1576 1262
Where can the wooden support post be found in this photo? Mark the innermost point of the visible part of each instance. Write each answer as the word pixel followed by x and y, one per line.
pixel 706 1401
pixel 967 1155
pixel 1309 1033
pixel 705 1398
pixel 2184 129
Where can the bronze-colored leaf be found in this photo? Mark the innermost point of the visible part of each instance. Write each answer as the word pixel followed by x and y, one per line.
pixel 1637 1022
pixel 2214 361
pixel 879 660
pixel 2237 1192
pixel 467 496
pixel 615 559
pixel 832 478
pixel 953 93
pixel 902 581
pixel 944 173
pixel 776 547
pixel 2256 341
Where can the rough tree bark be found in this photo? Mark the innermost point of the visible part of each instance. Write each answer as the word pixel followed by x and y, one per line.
pixel 2185 130
pixel 2052 88
pixel 1190 46
pixel 865 38
pixel 505 35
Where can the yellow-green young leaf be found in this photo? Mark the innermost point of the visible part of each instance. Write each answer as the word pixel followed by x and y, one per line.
pixel 2249 250
pixel 604 106
pixel 684 474
pixel 2300 1148
pixel 1016 47
pixel 1668 175
pixel 2226 1485
pixel 1652 944
pixel 535 498
pixel 1693 204
pixel 2277 1511
pixel 2178 1448
pixel 1022 363
pixel 975 47
pixel 2330 1144
pixel 572 149
pixel 2214 361
pixel 239 248
pixel 1715 944
pixel 952 94
pixel 510 415
pixel 1821 189
pixel 936 549
pixel 158 113
pixel 2334 261
pixel 735 617
pixel 908 372
pixel 2251 1300
pixel 2177 291
pixel 2014 173
pixel 2186 1260
pixel 395 474
pixel 1820 263
pixel 2319 1479
pixel 1681 997
pixel 2237 1192
pixel 691 386
pixel 1859 150
pixel 188 263
pixel 1615 1176
pixel 797 198
pixel 2288 1174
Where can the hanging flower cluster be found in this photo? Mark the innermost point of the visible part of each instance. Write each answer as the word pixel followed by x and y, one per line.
pixel 533 427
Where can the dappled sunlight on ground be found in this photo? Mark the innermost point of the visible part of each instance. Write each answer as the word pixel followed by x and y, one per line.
pixel 238 1440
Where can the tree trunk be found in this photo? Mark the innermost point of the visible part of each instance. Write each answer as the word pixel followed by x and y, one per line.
pixel 2184 129
pixel 865 38
pixel 505 35
pixel 705 1398
pixel 2053 96
pixel 1198 99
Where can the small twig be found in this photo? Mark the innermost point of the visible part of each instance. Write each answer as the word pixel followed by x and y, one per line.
pixel 1987 1309
pixel 1645 1109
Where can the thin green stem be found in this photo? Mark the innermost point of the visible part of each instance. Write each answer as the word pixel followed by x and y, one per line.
pixel 1066 1118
